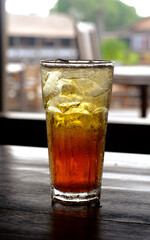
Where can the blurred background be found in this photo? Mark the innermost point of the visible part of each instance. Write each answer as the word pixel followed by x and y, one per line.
pixel 75 29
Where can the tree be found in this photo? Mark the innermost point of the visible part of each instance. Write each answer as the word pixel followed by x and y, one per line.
pixel 78 9
pixel 116 14
pixel 118 50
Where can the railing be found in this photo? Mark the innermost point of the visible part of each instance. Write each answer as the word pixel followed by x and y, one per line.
pixel 40 53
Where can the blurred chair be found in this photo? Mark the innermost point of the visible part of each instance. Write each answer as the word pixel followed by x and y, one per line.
pixel 87 39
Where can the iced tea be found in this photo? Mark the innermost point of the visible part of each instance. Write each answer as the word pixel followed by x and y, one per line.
pixel 76 99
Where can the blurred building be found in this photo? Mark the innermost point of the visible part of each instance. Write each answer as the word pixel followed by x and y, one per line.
pixel 140 38
pixel 137 36
pixel 32 38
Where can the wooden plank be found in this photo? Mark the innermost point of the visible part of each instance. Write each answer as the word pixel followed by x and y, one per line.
pixel 26 211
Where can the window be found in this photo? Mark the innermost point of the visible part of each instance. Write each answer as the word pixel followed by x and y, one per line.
pixel 32 38
pixel 49 43
pixel 66 42
pixel 20 91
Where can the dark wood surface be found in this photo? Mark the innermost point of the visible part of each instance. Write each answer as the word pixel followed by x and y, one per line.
pixel 26 211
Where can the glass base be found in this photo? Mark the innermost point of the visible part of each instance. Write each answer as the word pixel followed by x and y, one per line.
pixel 69 198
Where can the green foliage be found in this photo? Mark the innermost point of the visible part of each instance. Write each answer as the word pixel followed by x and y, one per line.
pixel 78 9
pixel 119 51
pixel 115 13
pixel 118 14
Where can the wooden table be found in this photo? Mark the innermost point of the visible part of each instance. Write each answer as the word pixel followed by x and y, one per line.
pixel 135 76
pixel 26 211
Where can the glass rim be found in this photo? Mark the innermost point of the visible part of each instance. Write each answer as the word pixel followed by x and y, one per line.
pixel 76 63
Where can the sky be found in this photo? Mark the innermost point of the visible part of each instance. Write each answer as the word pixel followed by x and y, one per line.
pixel 41 7
pixel 25 7
pixel 141 6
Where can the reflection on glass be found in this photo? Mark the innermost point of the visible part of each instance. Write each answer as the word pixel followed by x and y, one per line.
pixel 75 222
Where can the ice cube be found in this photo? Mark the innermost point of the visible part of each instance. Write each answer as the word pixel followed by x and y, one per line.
pixel 72 73
pixel 53 109
pixel 84 83
pixel 102 80
pixel 63 103
pixel 81 108
pixel 99 89
pixel 44 76
pixel 69 89
pixel 50 86
pixel 95 92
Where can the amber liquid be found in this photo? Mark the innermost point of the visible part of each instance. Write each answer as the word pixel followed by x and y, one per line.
pixel 76 101
pixel 76 145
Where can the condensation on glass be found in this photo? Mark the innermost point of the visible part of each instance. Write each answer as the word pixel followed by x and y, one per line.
pixel 76 98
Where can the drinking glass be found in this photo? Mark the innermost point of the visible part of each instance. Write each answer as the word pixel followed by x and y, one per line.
pixel 76 99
